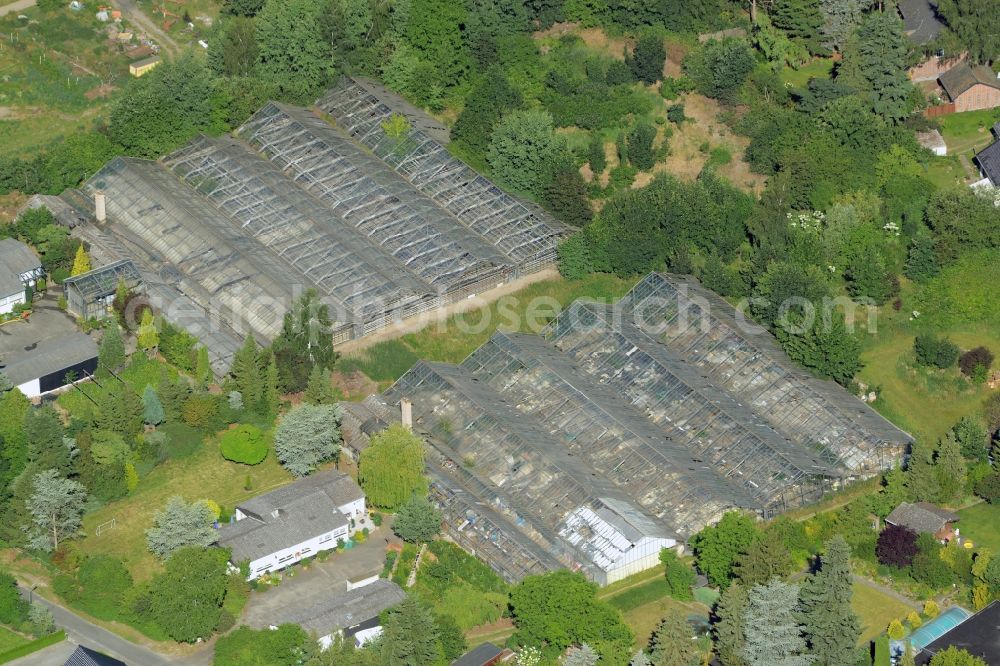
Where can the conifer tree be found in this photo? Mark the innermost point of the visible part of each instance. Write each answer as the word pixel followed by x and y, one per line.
pixel 152 408
pixel 950 468
pixel 672 644
pixel 921 478
pixel 81 262
pixel 270 398
pixel 203 366
pixel 111 353
pixel 729 622
pixel 148 337
pixel 763 560
pixel 410 636
pixel 47 448
pixel 318 390
pixel 773 636
pixel 246 372
pixel 830 624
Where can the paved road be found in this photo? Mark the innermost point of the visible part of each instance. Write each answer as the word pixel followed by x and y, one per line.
pixel 82 632
pixel 17 6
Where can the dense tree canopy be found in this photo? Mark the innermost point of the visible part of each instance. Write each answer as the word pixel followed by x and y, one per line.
pixel 391 469
pixel 559 609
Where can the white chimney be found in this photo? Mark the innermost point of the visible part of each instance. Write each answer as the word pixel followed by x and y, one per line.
pixel 406 412
pixel 99 210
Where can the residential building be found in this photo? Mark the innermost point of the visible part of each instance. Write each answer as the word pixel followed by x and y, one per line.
pixel 971 87
pixel 353 614
pixel 486 654
pixel 924 518
pixel 37 354
pixel 20 269
pixel 988 161
pixel 277 529
pixel 144 66
pixel 979 635
pixel 84 656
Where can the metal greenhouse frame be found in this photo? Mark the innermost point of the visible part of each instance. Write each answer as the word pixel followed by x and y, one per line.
pixel 240 226
pixel 532 433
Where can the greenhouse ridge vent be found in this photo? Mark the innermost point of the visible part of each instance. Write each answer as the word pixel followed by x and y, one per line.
pixel 228 231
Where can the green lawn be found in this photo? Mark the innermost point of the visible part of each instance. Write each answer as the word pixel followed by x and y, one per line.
pixel 875 610
pixel 450 341
pixel 203 475
pixel 9 640
pixel 798 78
pixel 964 132
pixel 643 619
pixel 945 172
pixel 924 402
pixel 981 523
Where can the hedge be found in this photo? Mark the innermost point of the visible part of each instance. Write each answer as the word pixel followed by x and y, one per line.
pixel 33 646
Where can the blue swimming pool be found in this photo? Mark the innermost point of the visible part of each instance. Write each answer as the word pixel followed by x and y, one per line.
pixel 937 627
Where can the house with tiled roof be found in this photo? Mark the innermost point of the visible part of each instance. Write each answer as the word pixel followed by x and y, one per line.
pixel 971 87
pixel 924 518
pixel 988 160
pixel 277 529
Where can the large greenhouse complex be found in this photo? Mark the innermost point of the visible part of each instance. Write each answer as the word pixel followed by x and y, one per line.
pixel 228 231
pixel 621 429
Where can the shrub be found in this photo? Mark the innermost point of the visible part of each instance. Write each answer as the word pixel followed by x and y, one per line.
pixel 377 519
pixel 895 630
pixel 914 619
pixel 972 360
pixel 989 488
pixel 200 410
pixel 896 546
pixel 935 351
pixel 931 608
pixel 675 113
pixel 13 609
pixel 244 444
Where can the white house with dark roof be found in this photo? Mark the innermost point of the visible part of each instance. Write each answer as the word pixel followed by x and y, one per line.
pixel 19 269
pixel 277 529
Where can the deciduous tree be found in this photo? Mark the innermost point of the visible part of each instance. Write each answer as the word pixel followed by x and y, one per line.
pixel 678 574
pixel 560 609
pixel 717 547
pixel 294 47
pixel 391 469
pixel 522 148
